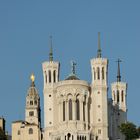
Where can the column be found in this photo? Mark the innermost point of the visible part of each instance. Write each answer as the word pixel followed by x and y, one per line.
pixel 81 109
pixel 120 92
pixel 47 72
pixel 59 105
pixel 86 113
pixel 74 109
pixel 124 99
pixel 115 97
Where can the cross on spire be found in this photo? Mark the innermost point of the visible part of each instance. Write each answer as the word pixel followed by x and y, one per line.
pixel 118 72
pixel 99 47
pixel 73 67
pixel 51 49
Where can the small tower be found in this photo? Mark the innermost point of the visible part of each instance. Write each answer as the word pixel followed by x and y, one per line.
pixel 119 90
pixel 32 112
pixel 99 119
pixel 119 114
pixel 51 77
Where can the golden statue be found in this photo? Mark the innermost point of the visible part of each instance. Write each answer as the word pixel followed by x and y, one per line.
pixel 32 77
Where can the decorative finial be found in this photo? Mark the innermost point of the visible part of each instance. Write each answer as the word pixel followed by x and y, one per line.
pixel 119 73
pixel 32 78
pixel 51 50
pixel 73 67
pixel 99 47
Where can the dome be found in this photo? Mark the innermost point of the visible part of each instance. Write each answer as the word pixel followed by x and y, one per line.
pixel 72 77
pixel 32 91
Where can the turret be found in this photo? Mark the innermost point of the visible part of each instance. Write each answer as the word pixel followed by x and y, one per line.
pixel 119 112
pixel 32 112
pixel 50 69
pixel 51 77
pixel 119 91
pixel 99 67
pixel 99 119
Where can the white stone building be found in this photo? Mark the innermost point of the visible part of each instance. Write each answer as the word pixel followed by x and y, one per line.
pixel 75 109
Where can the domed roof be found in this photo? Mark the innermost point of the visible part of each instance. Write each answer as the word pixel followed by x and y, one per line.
pixel 72 77
pixel 32 91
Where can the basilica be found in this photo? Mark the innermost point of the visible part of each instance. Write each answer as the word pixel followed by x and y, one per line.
pixel 73 108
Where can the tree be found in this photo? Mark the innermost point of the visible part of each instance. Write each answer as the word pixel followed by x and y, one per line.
pixel 129 130
pixel 2 135
pixel 138 130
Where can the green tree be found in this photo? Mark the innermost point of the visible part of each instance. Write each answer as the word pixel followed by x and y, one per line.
pixel 138 130
pixel 2 135
pixel 129 130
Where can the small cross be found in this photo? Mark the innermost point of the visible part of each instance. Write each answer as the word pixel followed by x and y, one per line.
pixel 118 61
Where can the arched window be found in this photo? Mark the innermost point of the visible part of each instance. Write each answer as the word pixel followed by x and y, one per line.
pixel 70 109
pixel 31 113
pixel 96 138
pixel 35 102
pixel 30 131
pixel 45 76
pixel 118 97
pixel 94 73
pixel 72 137
pixel 103 73
pixel 114 95
pixel 63 110
pixel 83 111
pixel 31 102
pixel 98 73
pixel 77 109
pixel 122 94
pixel 78 137
pixel 18 132
pixel 50 76
pixel 54 76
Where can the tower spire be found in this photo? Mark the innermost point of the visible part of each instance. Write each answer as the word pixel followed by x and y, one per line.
pixel 99 47
pixel 51 50
pixel 118 72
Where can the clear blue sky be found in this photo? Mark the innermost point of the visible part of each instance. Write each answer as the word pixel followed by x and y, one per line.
pixel 25 27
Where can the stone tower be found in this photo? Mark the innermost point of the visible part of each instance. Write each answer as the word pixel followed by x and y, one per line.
pixel 32 112
pixel 119 92
pixel 99 87
pixel 51 77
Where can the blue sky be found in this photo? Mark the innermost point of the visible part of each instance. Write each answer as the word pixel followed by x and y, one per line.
pixel 25 27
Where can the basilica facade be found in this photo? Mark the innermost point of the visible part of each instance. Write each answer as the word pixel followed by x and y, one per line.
pixel 74 109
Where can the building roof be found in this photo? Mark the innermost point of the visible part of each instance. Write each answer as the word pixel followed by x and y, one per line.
pixel 18 121
pixel 72 77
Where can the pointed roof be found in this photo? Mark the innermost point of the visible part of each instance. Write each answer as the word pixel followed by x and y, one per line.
pixel 51 50
pixel 118 72
pixel 99 55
